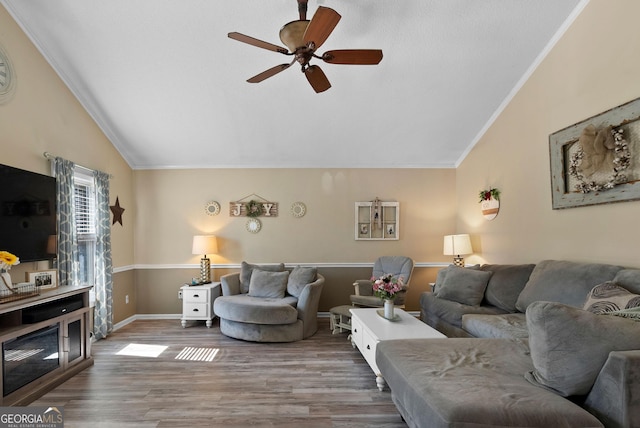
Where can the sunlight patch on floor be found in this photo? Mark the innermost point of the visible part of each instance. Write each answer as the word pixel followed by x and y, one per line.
pixel 141 350
pixel 197 354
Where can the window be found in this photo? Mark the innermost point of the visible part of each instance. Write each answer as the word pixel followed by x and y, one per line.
pixel 85 211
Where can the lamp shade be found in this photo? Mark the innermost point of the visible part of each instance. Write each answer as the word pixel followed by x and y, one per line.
pixel 455 245
pixel 204 244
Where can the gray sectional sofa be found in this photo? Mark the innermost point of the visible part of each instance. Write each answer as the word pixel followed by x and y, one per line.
pixel 555 344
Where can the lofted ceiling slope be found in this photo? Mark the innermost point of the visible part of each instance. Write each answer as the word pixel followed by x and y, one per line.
pixel 168 87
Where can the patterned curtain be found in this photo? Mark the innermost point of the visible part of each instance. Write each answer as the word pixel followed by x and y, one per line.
pixel 103 313
pixel 67 250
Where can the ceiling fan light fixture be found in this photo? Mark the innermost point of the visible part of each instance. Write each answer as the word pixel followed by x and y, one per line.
pixel 292 34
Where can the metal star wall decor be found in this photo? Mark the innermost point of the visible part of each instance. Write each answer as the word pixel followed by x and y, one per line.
pixel 117 211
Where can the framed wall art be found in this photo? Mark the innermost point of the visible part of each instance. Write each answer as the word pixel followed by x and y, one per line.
pixel 377 221
pixel 597 161
pixel 43 279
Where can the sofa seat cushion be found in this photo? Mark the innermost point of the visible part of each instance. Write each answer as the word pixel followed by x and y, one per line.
pixel 450 311
pixel 257 310
pixel 507 326
pixel 564 282
pixel 471 383
pixel 569 346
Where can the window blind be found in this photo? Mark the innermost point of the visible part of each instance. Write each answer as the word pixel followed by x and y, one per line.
pixel 85 210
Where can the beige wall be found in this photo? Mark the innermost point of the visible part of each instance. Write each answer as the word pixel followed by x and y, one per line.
pixel 44 116
pixel 594 67
pixel 170 209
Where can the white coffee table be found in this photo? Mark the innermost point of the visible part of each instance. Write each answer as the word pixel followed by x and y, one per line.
pixel 368 328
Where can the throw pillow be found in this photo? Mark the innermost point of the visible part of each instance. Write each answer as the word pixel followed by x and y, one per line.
pixel 609 297
pixel 442 273
pixel 299 278
pixel 464 286
pixel 268 284
pixel 247 268
pixel 569 345
pixel 564 282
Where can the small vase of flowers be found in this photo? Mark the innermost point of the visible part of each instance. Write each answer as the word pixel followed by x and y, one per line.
pixel 386 288
pixel 6 261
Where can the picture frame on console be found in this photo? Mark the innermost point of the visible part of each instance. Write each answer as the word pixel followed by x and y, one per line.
pixel 597 160
pixel 43 279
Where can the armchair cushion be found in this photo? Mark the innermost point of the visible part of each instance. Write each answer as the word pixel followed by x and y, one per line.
pixel 569 346
pixel 247 268
pixel 268 284
pixel 464 286
pixel 299 277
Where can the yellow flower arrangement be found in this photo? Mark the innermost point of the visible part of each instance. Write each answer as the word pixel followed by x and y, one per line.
pixel 7 260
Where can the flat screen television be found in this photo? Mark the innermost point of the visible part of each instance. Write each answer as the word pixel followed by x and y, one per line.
pixel 27 213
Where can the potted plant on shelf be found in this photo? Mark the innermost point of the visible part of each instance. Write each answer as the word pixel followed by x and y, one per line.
pixel 6 261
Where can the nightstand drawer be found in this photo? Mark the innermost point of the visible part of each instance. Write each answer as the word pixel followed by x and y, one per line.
pixel 196 296
pixel 196 310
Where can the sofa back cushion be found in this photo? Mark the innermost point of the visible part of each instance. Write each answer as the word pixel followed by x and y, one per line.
pixel 247 268
pixel 569 346
pixel 299 277
pixel 464 286
pixel 564 282
pixel 629 279
pixel 505 284
pixel 268 284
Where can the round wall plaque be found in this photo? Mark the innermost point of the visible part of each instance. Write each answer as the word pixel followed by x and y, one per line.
pixel 253 225
pixel 212 208
pixel 298 209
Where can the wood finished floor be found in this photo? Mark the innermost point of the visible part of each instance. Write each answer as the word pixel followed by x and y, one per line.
pixel 318 382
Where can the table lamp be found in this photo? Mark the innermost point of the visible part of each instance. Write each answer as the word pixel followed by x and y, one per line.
pixel 205 244
pixel 455 245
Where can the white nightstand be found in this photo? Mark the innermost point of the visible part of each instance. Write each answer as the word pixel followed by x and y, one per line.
pixel 197 302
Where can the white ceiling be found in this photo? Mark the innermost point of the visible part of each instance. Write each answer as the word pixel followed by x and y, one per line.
pixel 168 87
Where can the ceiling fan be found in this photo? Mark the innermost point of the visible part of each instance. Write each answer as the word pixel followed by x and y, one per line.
pixel 303 38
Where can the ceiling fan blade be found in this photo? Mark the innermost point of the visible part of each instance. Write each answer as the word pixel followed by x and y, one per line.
pixel 317 78
pixel 353 56
pixel 256 42
pixel 268 73
pixel 321 26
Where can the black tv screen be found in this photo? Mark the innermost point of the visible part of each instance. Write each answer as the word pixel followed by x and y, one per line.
pixel 27 213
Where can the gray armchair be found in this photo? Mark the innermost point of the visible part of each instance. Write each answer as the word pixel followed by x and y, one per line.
pixel 399 266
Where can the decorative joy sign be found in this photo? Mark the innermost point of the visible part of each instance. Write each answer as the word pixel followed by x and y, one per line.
pixel 253 209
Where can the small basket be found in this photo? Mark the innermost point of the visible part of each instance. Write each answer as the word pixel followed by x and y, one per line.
pixel 18 292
